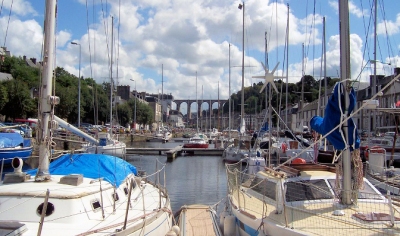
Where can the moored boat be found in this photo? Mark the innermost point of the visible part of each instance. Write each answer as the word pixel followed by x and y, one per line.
pixel 78 194
pixel 197 141
pixel 14 145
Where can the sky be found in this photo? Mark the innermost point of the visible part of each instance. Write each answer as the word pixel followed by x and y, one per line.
pixel 192 49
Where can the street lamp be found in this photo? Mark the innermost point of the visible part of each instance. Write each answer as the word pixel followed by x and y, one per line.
pixel 134 116
pixel 79 85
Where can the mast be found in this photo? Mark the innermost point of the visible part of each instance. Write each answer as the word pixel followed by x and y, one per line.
pixel 202 100
pixel 345 74
pixel 229 116
pixel 162 94
pixel 218 108
pixel 46 88
pixel 287 65
pixel 197 116
pixel 302 90
pixel 242 99
pixel 111 78
pixel 322 56
pixel 373 92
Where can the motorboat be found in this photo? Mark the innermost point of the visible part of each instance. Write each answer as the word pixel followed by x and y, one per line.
pixel 161 135
pixel 197 141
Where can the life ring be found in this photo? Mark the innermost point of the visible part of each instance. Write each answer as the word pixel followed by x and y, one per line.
pixel 374 149
pixel 284 147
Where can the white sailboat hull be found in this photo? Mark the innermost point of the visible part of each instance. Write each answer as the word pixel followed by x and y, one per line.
pixel 118 149
pixel 74 213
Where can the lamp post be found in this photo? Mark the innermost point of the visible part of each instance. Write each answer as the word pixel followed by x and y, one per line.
pixel 79 85
pixel 134 115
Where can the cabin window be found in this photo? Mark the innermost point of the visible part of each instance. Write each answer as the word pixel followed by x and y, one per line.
pixel 126 191
pixel 267 188
pixel 49 209
pixel 307 190
pixel 96 204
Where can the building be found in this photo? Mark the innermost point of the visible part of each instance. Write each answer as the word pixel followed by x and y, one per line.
pixel 155 105
pixel 175 119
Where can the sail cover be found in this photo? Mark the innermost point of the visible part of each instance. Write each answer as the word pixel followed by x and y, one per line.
pixel 333 112
pixel 112 169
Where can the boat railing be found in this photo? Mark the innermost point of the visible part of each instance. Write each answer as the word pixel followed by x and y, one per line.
pixel 315 201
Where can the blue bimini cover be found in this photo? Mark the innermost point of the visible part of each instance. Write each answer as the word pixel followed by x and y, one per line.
pixel 332 118
pixel 112 169
pixel 8 140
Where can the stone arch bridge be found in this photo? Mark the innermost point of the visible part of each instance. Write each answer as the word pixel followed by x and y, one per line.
pixel 189 102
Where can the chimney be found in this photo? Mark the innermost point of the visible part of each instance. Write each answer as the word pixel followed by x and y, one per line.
pixel 24 57
pixel 33 60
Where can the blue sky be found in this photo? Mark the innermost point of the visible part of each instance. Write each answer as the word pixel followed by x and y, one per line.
pixel 194 35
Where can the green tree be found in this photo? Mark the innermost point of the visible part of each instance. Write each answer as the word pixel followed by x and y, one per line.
pixel 124 112
pixel 19 102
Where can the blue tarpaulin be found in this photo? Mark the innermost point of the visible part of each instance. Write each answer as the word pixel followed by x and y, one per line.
pixel 333 118
pixel 112 169
pixel 264 127
pixel 8 140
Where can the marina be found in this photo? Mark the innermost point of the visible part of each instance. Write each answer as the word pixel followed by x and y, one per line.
pixel 256 161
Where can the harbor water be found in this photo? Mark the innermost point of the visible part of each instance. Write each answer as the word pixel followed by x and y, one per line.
pixel 189 179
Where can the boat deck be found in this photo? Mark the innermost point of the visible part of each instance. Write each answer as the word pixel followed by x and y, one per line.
pixel 196 220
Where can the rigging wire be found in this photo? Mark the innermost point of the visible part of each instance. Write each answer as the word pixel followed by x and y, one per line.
pixel 388 43
pixel 8 23
pixel 90 62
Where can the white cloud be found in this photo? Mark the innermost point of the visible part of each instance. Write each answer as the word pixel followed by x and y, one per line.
pixel 389 27
pixel 189 36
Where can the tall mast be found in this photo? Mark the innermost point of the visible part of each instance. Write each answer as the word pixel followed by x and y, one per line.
pixel 322 56
pixel 162 93
pixel 218 108
pixel 345 74
pixel 202 100
pixel 373 92
pixel 46 89
pixel 242 100
pixel 197 116
pixel 229 117
pixel 111 78
pixel 287 65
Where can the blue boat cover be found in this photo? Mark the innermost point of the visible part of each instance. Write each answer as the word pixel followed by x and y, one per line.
pixel 264 127
pixel 8 140
pixel 112 169
pixel 332 119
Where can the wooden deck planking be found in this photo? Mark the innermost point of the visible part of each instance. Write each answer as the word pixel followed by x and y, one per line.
pixel 196 220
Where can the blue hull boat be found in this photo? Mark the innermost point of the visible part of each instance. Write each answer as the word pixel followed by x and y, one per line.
pixel 14 145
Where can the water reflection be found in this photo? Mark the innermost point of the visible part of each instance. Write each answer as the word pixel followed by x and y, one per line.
pixel 189 179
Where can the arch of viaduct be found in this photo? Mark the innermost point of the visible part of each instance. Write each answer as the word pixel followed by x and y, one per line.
pixel 189 102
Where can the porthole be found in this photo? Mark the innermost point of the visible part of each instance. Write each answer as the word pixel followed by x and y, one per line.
pixel 49 209
pixel 115 197
pixel 96 204
pixel 126 191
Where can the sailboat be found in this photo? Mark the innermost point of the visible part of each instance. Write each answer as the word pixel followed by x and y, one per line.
pixel 199 140
pixel 78 194
pixel 241 149
pixel 310 198
pixel 107 143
